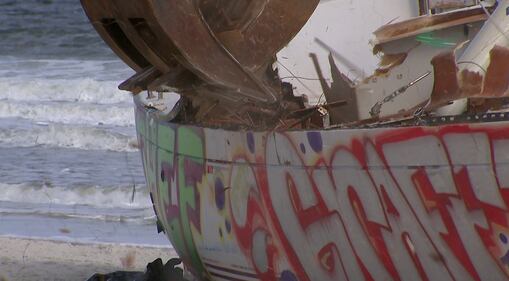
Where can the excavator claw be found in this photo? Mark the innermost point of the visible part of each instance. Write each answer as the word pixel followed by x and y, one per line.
pixel 221 46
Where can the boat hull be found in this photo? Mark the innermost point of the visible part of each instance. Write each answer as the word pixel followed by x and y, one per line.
pixel 414 203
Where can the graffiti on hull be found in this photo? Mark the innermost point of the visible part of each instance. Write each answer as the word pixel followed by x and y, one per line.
pixel 383 204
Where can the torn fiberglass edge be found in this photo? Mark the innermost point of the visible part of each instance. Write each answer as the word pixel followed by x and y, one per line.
pixel 253 64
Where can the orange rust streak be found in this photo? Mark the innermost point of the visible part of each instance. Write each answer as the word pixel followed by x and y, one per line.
pixel 446 87
pixel 496 83
pixel 450 84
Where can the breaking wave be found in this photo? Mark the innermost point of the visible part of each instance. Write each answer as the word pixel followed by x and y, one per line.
pixel 60 135
pixel 73 90
pixel 94 196
pixel 69 112
pixel 143 217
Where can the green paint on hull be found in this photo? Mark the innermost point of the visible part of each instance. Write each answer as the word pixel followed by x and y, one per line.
pixel 179 156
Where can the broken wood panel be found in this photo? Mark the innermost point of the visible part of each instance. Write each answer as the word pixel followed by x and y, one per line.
pixel 422 24
pixel 450 4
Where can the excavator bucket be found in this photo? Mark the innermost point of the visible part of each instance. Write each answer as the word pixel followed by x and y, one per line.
pixel 218 46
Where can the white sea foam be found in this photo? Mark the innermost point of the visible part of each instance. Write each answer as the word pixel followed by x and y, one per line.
pixel 62 93
pixel 63 80
pixel 102 70
pixel 69 112
pixel 59 135
pixel 100 197
pixel 139 215
pixel 74 90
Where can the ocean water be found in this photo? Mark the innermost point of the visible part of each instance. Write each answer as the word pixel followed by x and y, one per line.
pixel 69 164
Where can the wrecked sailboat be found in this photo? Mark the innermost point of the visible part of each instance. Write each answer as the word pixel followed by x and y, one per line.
pixel 296 151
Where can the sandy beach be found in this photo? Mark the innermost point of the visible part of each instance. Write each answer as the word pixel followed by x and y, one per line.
pixel 40 260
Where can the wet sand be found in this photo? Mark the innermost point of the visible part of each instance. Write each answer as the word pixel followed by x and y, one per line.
pixel 40 260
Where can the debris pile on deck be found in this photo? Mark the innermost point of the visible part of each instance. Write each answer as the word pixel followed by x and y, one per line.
pixel 221 57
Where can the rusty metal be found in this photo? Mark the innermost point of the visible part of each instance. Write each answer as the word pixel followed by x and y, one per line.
pixel 183 24
pixel 253 31
pixel 452 84
pixel 496 82
pixel 211 51
pixel 140 81
pixel 102 17
pixel 168 33
pixel 446 85
pixel 218 53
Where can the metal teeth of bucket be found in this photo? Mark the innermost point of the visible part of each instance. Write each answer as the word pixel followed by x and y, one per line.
pixel 223 44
